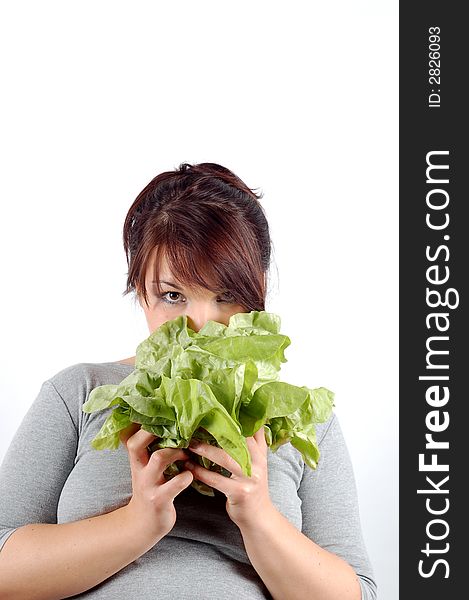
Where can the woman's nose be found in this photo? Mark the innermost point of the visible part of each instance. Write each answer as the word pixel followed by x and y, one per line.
pixel 197 317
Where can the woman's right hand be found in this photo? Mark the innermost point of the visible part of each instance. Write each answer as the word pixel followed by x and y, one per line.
pixel 151 510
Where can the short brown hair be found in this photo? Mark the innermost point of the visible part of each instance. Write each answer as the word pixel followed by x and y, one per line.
pixel 210 227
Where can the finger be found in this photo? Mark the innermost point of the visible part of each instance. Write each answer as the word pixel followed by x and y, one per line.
pixel 226 485
pixel 253 448
pixel 162 458
pixel 177 484
pixel 128 432
pixel 216 455
pixel 257 447
pixel 137 448
pixel 259 436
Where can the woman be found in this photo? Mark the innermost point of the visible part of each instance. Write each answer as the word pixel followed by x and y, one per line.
pixel 102 525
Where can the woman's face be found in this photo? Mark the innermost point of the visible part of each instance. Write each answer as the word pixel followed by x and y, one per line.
pixel 199 304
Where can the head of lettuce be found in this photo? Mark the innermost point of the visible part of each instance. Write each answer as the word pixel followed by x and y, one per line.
pixel 219 385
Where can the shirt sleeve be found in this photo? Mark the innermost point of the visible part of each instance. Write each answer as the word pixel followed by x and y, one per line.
pixel 37 463
pixel 330 506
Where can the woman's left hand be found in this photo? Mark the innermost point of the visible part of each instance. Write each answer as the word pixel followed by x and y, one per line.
pixel 247 497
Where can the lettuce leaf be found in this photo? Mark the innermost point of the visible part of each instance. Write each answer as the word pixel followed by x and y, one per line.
pixel 219 385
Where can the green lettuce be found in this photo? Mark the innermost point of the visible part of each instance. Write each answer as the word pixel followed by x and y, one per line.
pixel 219 385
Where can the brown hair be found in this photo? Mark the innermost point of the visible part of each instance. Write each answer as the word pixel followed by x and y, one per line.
pixel 210 227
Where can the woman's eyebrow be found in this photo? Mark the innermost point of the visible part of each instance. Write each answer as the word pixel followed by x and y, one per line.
pixel 171 283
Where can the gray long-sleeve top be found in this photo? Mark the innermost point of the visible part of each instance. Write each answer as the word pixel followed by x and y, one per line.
pixel 51 474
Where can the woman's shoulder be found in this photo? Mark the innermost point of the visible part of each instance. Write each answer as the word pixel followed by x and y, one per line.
pixel 82 377
pixel 66 390
pixel 127 361
pixel 323 429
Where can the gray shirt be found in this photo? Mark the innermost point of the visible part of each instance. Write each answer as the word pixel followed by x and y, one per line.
pixel 51 474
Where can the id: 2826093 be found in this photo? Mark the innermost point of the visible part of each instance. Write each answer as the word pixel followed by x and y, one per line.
pixel 434 69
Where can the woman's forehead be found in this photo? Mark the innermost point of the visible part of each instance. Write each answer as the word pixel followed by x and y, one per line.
pixel 164 269
pixel 165 274
pixel 162 264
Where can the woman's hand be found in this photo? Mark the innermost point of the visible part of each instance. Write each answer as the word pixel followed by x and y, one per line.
pixel 247 497
pixel 151 507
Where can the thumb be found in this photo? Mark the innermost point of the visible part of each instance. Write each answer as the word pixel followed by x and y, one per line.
pixel 128 432
pixel 178 483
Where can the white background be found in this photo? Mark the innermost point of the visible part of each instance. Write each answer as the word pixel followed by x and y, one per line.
pixel 300 100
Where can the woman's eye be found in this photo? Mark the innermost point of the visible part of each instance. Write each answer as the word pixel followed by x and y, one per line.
pixel 169 298
pixel 175 298
pixel 227 297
